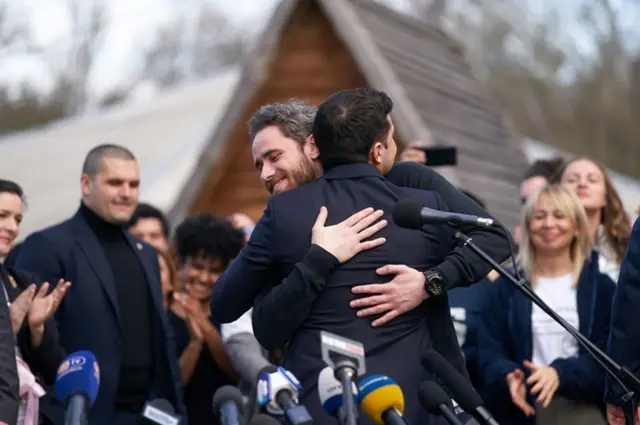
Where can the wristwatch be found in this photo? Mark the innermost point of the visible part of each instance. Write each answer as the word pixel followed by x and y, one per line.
pixel 433 283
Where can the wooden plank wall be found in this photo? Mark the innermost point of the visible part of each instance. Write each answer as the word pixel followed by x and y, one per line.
pixel 438 80
pixel 310 63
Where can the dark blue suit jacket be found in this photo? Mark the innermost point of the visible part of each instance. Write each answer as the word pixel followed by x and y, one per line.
pixel 505 342
pixel 624 341
pixel 466 304
pixel 282 237
pixel 88 318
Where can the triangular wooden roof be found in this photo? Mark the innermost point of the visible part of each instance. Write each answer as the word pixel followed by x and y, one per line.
pixel 426 74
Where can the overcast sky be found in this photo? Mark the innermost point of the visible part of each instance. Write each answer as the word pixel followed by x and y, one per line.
pixel 133 23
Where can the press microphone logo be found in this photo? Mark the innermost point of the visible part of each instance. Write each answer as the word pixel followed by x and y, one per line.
pixel 74 364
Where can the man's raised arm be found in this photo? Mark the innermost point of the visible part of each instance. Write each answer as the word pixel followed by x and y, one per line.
pixel 462 267
pixel 330 246
pixel 247 275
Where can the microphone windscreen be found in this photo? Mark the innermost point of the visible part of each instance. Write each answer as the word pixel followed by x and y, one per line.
pixel 379 393
pixel 329 391
pixel 162 404
pixel 227 393
pixel 78 373
pixel 263 419
pixel 406 213
pixel 431 396
pixel 460 388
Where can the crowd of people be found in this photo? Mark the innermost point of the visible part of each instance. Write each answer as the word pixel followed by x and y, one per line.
pixel 177 315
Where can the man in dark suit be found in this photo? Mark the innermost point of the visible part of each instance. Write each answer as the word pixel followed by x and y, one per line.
pixel 624 338
pixel 354 138
pixel 114 307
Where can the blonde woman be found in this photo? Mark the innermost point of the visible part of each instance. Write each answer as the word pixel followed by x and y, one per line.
pixel 609 224
pixel 532 370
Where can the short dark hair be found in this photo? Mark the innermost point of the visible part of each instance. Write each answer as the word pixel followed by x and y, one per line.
pixel 149 211
pixel 210 236
pixel 294 119
pixel 547 168
pixel 348 123
pixel 8 186
pixel 475 198
pixel 93 160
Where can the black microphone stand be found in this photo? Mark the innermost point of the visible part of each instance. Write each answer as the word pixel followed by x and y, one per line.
pixel 629 382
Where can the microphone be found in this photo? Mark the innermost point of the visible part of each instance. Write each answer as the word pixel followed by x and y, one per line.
pixel 346 358
pixel 263 419
pixel 159 411
pixel 227 402
pixel 76 386
pixel 459 388
pixel 382 400
pixel 331 395
pixel 277 392
pixel 435 401
pixel 411 214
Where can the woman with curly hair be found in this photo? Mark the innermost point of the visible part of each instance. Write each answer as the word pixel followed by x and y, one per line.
pixel 608 221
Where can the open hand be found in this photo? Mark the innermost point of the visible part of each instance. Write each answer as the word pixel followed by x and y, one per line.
pixel 518 392
pixel 44 306
pixel 344 240
pixel 20 307
pixel 545 381
pixel 404 293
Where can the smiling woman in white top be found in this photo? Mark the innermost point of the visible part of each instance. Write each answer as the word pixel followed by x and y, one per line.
pixel 532 367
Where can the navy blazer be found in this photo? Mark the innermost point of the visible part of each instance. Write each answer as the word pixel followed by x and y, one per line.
pixel 505 342
pixel 88 317
pixel 624 341
pixel 283 236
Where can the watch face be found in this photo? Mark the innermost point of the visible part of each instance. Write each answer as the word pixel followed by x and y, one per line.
pixel 434 285
pixel 435 288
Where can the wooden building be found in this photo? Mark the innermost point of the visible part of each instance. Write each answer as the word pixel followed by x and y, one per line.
pixel 312 48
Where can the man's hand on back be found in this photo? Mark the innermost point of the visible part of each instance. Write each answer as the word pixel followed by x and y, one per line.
pixel 346 239
pixel 404 293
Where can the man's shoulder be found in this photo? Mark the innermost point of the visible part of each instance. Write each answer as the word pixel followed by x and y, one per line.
pixel 429 197
pixel 56 233
pixel 300 192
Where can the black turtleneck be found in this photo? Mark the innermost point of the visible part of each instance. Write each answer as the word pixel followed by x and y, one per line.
pixel 135 307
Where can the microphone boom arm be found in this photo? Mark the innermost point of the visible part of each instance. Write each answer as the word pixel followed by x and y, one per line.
pixel 629 382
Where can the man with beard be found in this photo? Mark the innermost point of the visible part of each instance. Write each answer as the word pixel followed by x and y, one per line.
pixel 353 163
pixel 284 150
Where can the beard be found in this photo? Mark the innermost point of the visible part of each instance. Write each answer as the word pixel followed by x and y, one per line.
pixel 303 174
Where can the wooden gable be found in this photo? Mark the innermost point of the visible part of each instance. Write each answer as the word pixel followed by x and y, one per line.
pixel 309 62
pixel 312 48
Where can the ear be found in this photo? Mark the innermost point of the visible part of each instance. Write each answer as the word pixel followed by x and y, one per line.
pixel 375 154
pixel 85 184
pixel 313 151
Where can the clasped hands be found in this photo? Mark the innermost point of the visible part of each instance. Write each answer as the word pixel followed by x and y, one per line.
pixel 37 308
pixel 196 317
pixel 544 382
pixel 348 238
